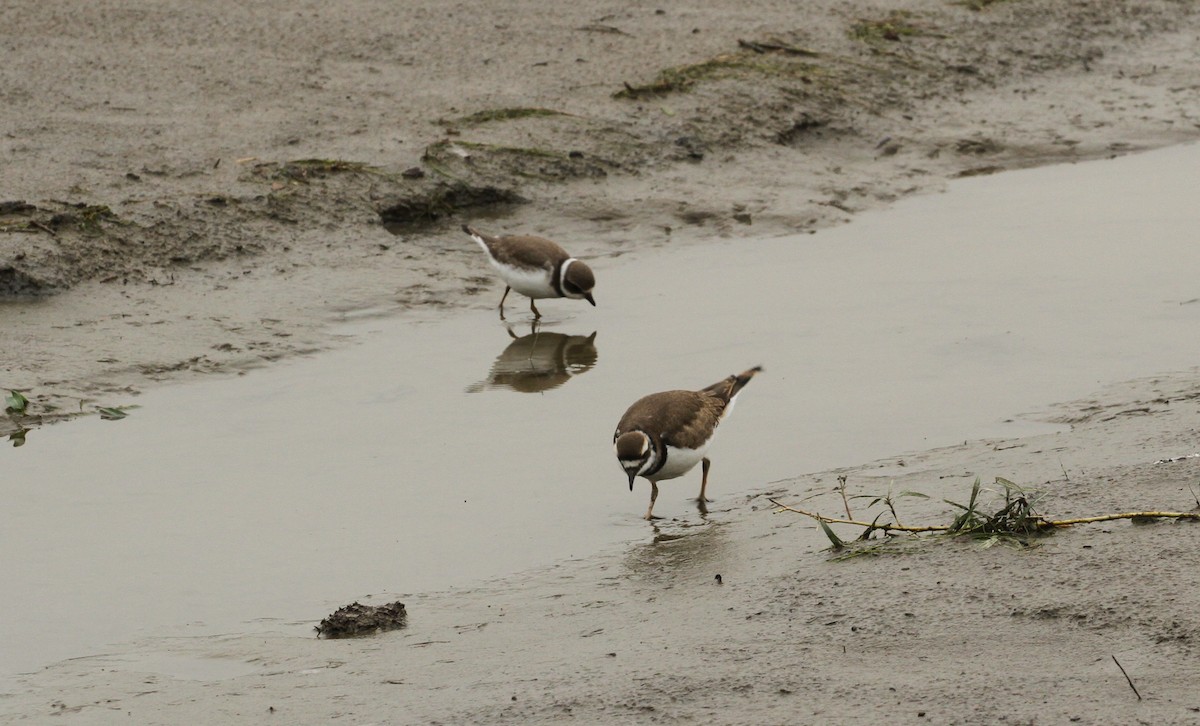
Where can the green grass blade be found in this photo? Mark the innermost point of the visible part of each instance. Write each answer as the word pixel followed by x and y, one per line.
pixel 838 544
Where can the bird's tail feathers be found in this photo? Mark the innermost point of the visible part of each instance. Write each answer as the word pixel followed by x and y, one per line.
pixel 484 241
pixel 728 388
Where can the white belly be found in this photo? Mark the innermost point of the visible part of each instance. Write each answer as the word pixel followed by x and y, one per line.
pixel 679 462
pixel 530 283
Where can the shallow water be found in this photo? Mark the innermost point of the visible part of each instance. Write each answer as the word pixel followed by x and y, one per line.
pixel 440 450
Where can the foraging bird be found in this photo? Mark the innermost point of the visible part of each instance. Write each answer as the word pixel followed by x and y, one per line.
pixel 664 435
pixel 536 268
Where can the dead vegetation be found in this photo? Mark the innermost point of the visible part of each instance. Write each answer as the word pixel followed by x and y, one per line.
pixel 1004 514
pixel 501 114
pixel 895 26
pixel 304 170
pixel 754 59
pixel 978 5
pixel 55 217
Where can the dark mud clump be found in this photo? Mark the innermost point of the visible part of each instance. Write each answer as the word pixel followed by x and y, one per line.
pixel 357 619
pixel 18 283
pixel 33 234
pixel 402 212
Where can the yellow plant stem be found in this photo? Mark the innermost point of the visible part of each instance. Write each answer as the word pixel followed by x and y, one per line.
pixel 1045 524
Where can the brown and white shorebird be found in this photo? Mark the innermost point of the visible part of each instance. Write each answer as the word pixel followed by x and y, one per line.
pixel 535 267
pixel 664 435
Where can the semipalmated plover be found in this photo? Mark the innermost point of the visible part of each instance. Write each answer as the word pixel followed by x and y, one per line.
pixel 536 268
pixel 664 435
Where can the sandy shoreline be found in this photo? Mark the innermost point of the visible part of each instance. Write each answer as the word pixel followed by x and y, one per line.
pixel 203 189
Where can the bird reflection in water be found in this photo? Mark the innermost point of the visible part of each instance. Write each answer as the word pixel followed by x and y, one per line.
pixel 539 361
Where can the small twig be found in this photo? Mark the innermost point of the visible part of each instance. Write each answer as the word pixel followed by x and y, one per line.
pixel 766 47
pixel 1123 515
pixel 44 228
pixel 834 520
pixel 601 28
pixel 1127 678
pixel 842 490
pixel 1044 524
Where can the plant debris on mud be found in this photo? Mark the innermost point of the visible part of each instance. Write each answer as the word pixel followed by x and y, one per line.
pixel 1015 520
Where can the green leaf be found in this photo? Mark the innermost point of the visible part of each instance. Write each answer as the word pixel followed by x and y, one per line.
pixel 111 414
pixel 991 542
pixel 838 544
pixel 15 402
pixel 866 534
pixel 974 495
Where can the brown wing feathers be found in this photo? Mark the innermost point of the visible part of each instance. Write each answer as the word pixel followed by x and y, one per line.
pixel 522 250
pixel 684 418
pixel 692 431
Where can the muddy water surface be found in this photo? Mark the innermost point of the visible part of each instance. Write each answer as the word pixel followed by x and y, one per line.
pixel 440 450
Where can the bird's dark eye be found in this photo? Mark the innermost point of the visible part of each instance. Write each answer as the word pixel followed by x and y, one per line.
pixel 571 288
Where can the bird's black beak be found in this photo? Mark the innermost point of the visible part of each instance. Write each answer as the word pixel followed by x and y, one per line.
pixel 588 296
pixel 632 476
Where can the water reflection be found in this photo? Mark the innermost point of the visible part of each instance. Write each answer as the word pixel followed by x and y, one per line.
pixel 539 361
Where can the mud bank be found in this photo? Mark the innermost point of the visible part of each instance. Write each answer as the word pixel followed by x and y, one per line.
pixel 194 190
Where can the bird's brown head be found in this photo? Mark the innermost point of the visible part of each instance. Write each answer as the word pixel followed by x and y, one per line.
pixel 634 452
pixel 578 281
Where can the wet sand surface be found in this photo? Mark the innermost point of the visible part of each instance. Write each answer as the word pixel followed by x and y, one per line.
pixel 419 458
